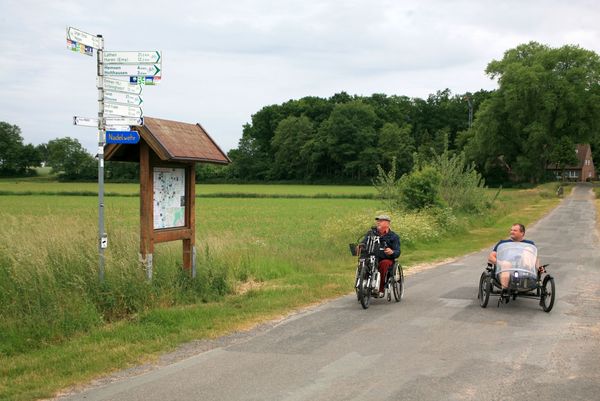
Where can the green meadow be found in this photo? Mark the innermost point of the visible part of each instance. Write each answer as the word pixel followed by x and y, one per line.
pixel 258 258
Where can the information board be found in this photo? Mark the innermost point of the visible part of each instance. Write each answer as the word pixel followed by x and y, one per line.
pixel 169 197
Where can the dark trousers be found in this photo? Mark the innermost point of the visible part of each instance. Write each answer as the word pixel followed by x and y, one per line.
pixel 384 265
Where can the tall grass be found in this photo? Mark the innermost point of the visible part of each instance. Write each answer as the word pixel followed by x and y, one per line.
pixel 49 287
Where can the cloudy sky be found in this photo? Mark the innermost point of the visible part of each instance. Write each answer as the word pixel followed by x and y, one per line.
pixel 224 60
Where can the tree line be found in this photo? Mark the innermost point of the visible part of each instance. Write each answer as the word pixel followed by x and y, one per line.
pixel 548 99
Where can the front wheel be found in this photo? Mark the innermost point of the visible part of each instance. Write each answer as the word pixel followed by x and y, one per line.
pixel 398 283
pixel 485 287
pixel 548 294
pixel 364 286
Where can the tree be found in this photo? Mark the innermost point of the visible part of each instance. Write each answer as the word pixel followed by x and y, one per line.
pixel 396 145
pixel 563 154
pixel 290 161
pixel 11 144
pixel 349 138
pixel 67 157
pixel 544 94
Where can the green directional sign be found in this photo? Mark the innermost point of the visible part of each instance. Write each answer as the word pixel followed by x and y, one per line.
pixel 130 70
pixel 132 57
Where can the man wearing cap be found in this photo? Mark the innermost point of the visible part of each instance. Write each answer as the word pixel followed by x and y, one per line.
pixel 390 242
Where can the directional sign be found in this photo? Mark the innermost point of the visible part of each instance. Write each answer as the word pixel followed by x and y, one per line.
pixel 117 128
pixel 84 38
pixel 127 57
pixel 124 121
pixel 117 85
pixel 129 137
pixel 85 121
pixel 120 97
pixel 115 109
pixel 126 70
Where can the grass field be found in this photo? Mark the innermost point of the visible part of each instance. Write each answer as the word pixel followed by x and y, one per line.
pixel 38 187
pixel 257 259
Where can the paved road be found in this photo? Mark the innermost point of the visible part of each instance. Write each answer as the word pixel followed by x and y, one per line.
pixel 437 344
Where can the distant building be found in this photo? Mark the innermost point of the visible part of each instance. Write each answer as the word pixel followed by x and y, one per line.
pixel 583 171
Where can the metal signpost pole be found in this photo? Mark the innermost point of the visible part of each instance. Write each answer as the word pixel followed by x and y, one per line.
pixel 102 237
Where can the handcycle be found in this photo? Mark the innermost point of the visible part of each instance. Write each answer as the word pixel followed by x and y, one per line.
pixel 515 274
pixel 367 279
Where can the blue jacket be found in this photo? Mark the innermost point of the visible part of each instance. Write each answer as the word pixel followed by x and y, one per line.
pixel 389 240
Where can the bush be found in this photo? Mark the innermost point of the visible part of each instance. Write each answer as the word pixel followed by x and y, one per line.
pixel 420 189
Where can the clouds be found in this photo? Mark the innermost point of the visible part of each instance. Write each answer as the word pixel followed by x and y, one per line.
pixel 224 60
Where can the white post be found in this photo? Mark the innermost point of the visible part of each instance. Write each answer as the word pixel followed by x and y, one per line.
pixel 102 236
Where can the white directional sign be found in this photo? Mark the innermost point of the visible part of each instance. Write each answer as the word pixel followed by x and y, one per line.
pixel 115 109
pixel 116 85
pixel 117 128
pixel 124 121
pixel 126 70
pixel 121 97
pixel 84 38
pixel 128 57
pixel 85 121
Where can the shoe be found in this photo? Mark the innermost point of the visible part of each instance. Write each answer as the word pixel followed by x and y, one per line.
pixel 381 294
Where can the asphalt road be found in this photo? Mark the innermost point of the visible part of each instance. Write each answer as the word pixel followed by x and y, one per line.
pixel 437 344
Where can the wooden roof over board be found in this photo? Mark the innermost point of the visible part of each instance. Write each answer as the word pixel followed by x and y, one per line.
pixel 171 141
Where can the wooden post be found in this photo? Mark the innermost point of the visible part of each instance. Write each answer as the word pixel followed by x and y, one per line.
pixel 190 220
pixel 146 209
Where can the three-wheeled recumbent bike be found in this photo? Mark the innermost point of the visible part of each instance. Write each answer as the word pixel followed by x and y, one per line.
pixel 516 274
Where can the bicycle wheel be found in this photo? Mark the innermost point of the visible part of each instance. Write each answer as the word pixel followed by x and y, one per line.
pixel 357 280
pixel 364 287
pixel 548 294
pixel 485 287
pixel 398 283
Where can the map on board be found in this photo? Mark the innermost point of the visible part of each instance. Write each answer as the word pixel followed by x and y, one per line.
pixel 169 197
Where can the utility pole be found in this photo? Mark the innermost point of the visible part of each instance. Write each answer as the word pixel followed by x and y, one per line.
pixel 470 103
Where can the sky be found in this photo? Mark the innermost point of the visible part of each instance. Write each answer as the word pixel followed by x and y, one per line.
pixel 225 60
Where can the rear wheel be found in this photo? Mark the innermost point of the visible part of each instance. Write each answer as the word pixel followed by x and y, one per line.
pixel 398 283
pixel 548 294
pixel 364 287
pixel 485 287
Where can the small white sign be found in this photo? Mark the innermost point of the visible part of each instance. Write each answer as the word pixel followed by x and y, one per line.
pixel 85 121
pixel 115 109
pixel 124 121
pixel 84 38
pixel 117 128
pixel 118 85
pixel 121 97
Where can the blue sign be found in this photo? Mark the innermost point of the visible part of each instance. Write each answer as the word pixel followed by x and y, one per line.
pixel 128 137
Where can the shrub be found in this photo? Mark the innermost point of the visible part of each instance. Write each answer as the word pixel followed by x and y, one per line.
pixel 420 189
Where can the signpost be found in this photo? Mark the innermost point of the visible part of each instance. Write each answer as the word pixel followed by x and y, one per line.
pixel 116 98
